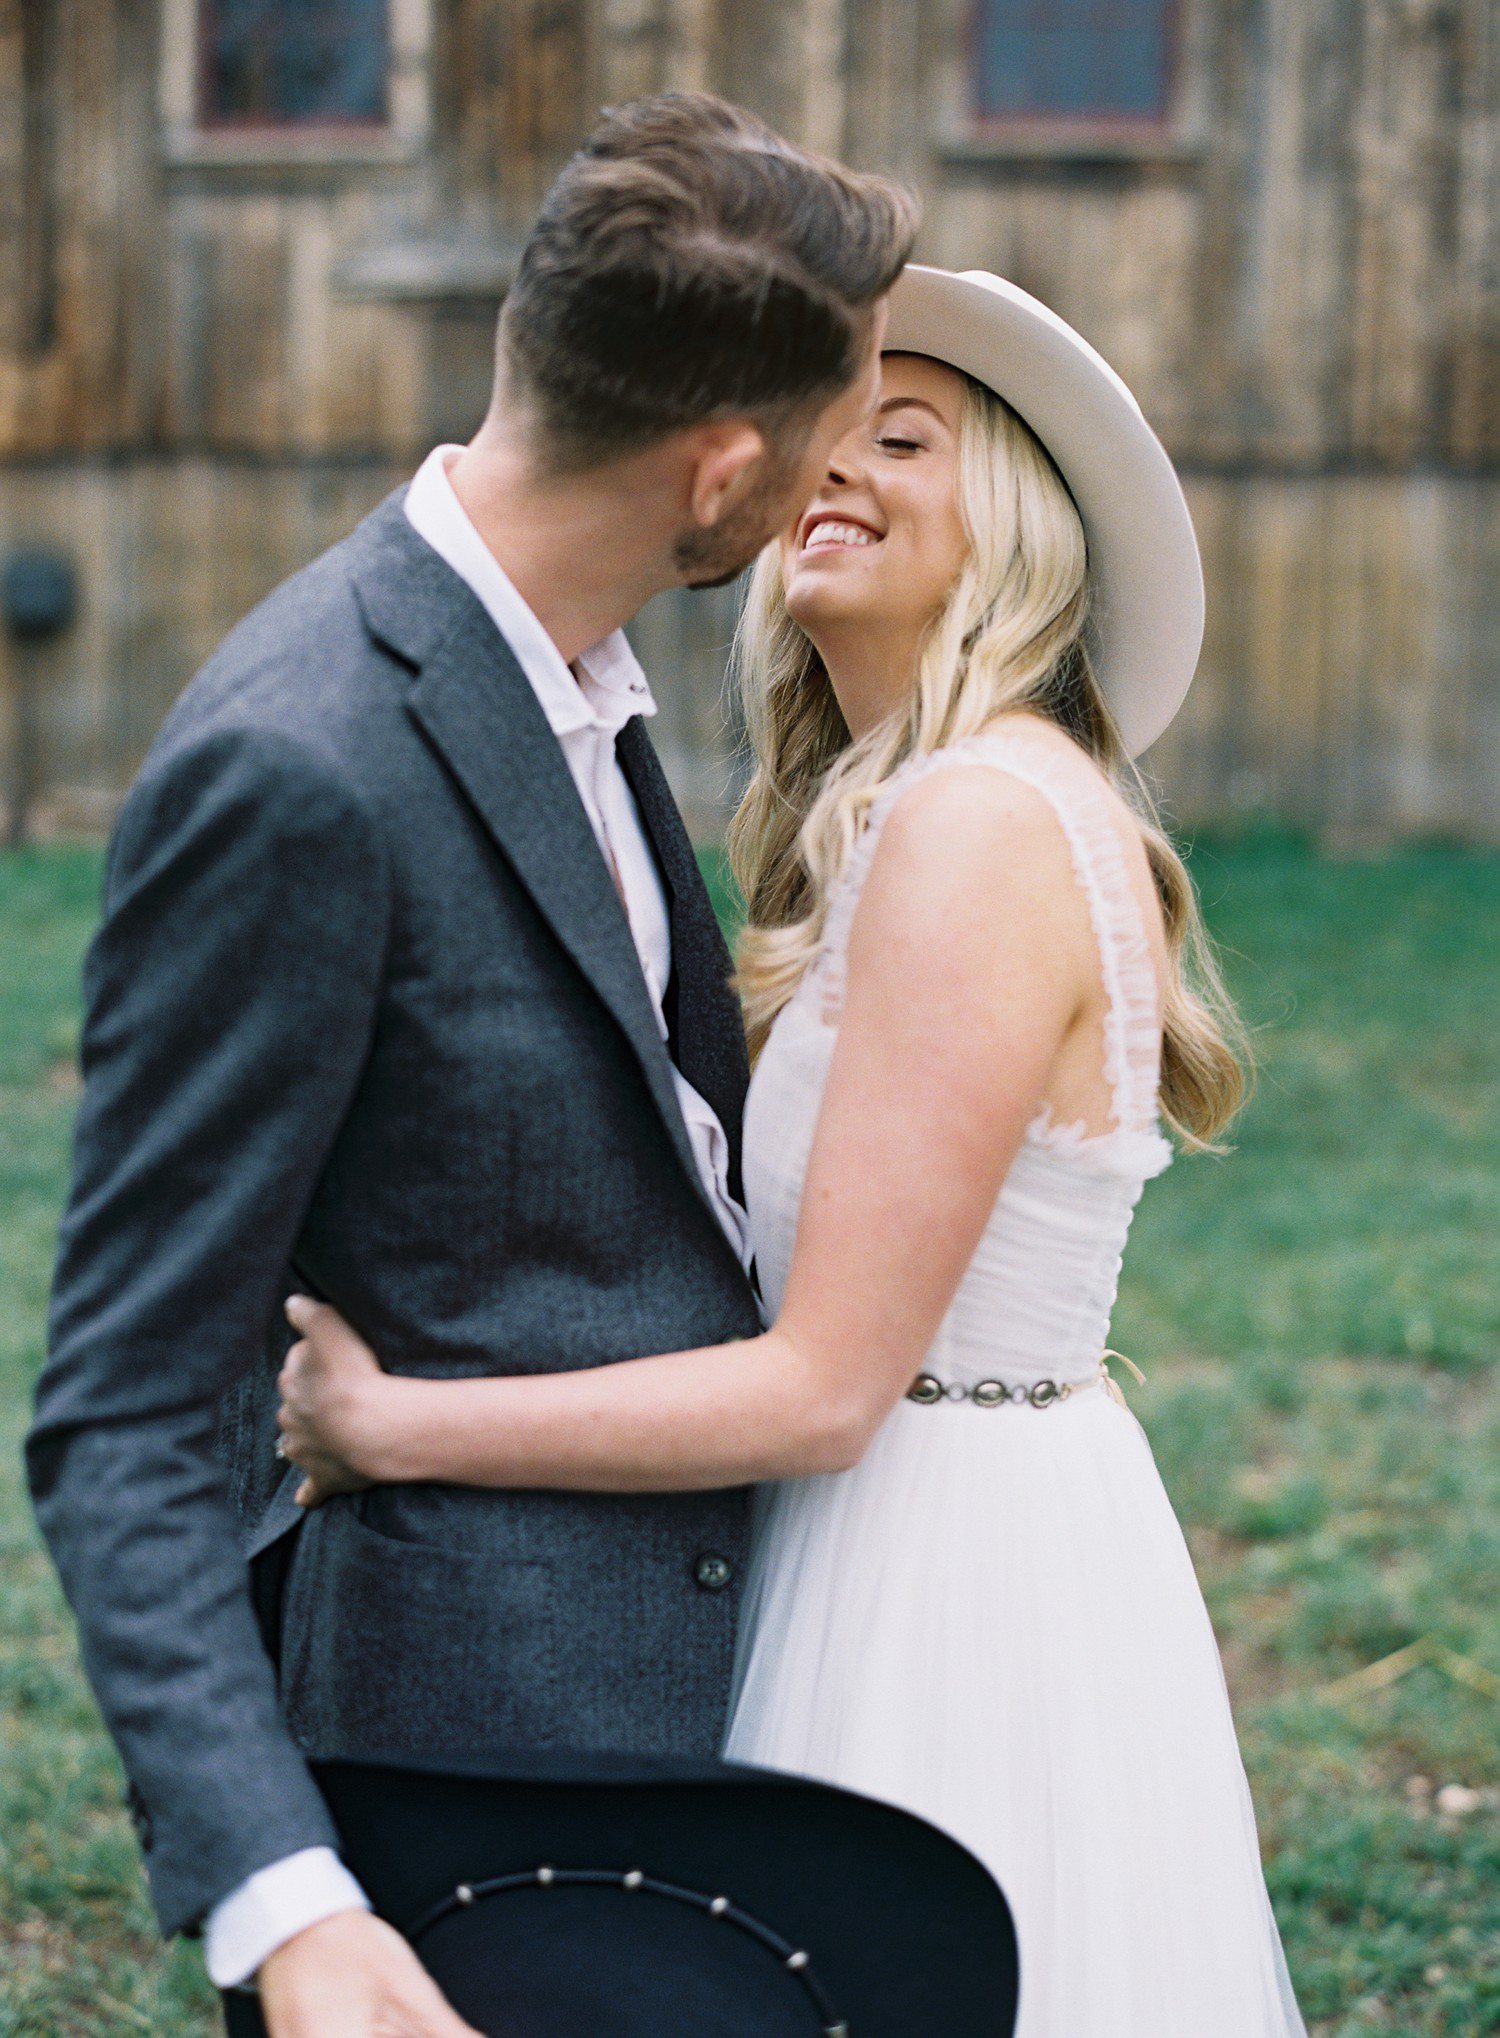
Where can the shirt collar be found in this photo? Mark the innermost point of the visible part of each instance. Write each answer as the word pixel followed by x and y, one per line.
pixel 610 686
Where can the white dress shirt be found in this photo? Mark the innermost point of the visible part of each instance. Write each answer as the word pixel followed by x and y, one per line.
pixel 586 706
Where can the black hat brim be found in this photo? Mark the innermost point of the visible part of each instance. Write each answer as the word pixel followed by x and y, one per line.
pixel 573 1896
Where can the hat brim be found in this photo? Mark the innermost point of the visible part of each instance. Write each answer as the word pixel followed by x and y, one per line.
pixel 903 1929
pixel 1147 615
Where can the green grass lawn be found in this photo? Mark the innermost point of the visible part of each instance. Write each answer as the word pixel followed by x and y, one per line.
pixel 1318 1317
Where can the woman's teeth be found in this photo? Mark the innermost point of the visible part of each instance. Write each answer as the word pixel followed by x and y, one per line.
pixel 825 535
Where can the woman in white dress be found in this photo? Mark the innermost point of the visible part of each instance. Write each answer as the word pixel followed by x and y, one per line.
pixel 966 980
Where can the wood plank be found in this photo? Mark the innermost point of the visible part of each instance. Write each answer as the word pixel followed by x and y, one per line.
pixel 1305 301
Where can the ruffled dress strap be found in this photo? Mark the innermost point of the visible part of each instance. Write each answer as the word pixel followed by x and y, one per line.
pixel 1132 1017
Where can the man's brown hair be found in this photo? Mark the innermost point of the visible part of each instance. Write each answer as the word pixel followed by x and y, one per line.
pixel 690 264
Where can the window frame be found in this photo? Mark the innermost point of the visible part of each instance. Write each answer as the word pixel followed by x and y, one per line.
pixel 189 139
pixel 969 134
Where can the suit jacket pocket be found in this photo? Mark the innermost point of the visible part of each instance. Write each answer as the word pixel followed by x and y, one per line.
pixel 396 1647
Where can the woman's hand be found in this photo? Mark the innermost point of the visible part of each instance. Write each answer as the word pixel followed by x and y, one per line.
pixel 332 1395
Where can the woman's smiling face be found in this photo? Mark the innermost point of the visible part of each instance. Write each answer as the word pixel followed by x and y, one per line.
pixel 882 542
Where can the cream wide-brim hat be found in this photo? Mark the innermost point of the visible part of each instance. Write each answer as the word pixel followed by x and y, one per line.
pixel 1146 628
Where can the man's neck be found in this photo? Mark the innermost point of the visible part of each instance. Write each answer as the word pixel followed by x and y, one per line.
pixel 583 553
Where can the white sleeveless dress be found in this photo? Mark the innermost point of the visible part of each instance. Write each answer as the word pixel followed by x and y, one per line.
pixel 993 1619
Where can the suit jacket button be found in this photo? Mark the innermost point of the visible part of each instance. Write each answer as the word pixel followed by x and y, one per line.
pixel 713 1572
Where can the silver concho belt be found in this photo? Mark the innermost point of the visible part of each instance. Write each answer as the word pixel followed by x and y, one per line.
pixel 927 1389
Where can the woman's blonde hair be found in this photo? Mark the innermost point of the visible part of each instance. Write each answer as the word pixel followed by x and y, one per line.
pixel 1010 637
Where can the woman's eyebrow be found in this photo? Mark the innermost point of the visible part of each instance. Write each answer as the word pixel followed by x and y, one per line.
pixel 919 402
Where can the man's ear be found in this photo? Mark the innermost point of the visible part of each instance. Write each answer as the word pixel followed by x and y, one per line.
pixel 723 457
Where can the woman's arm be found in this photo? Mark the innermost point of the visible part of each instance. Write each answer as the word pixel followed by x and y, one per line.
pixel 968 963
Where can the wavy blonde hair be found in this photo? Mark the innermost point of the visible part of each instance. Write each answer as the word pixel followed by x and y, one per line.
pixel 1009 637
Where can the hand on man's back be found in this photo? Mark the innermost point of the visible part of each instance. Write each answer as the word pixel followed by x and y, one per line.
pixel 353 1976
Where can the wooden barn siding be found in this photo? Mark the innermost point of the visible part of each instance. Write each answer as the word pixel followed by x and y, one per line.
pixel 1347 679
pixel 1309 279
pixel 1303 296
pixel 171 554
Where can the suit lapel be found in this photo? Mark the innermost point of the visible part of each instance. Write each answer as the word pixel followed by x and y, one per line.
pixel 476 707
pixel 709 1032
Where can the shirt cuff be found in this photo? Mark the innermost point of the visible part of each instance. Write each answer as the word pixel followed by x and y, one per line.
pixel 272 1906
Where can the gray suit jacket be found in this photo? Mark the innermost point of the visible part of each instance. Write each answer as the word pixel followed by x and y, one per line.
pixel 364 1016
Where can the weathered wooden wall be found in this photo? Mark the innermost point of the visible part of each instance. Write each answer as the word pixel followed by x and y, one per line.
pixel 208 371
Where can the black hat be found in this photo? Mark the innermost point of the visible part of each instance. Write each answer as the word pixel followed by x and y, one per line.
pixel 596 1896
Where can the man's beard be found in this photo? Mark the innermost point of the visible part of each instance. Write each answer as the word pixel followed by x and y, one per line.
pixel 715 557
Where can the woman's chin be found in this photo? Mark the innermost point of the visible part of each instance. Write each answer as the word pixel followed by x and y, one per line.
pixel 814 597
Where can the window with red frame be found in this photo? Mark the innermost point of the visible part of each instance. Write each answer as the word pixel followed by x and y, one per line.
pixel 293 63
pixel 1102 62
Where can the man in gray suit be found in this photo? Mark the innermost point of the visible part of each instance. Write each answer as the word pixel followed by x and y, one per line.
pixel 408 993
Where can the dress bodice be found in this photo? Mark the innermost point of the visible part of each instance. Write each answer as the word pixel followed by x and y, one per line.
pixel 1036 1299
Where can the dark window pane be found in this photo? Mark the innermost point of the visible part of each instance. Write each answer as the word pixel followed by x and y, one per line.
pixel 274 63
pixel 1073 58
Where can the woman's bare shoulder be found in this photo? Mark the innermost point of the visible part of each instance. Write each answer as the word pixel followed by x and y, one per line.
pixel 963 807
pixel 970 861
pixel 1069 764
